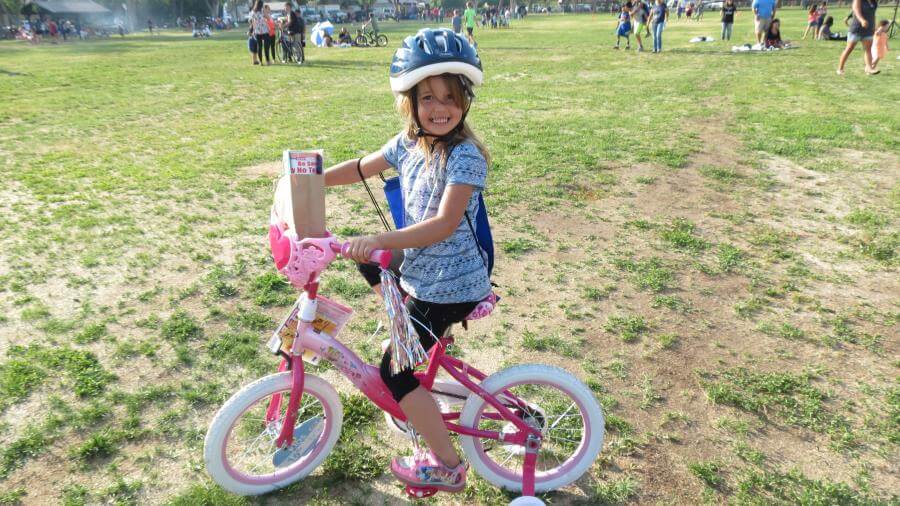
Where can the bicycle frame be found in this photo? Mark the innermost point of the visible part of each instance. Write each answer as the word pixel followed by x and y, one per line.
pixel 367 379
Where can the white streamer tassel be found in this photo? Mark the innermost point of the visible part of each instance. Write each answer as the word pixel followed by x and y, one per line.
pixel 406 350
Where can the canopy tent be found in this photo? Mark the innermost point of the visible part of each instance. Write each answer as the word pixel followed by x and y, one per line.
pixel 64 7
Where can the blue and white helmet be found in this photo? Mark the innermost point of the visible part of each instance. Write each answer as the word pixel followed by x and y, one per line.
pixel 432 52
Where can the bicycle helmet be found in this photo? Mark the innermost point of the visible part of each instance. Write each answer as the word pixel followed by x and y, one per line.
pixel 432 52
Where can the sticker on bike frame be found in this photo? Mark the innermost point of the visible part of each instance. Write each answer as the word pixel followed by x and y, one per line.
pixel 330 319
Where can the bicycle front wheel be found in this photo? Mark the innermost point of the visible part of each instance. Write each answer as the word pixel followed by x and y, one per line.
pixel 381 40
pixel 549 399
pixel 240 451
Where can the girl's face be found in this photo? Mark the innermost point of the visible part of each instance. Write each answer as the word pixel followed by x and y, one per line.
pixel 439 112
pixel 776 26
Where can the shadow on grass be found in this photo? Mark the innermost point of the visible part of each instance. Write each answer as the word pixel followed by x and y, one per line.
pixel 14 74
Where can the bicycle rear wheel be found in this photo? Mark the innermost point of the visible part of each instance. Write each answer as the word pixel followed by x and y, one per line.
pixel 550 399
pixel 381 40
pixel 362 41
pixel 240 451
pixel 299 57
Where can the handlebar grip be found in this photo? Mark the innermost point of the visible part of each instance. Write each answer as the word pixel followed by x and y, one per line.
pixel 382 257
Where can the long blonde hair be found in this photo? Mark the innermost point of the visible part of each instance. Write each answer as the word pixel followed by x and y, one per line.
pixel 407 108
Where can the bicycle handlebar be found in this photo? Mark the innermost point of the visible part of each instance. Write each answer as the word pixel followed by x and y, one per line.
pixel 302 260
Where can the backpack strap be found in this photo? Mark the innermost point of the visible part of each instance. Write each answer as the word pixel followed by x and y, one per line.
pixel 371 196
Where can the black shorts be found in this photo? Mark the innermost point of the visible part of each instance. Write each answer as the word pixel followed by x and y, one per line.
pixel 428 318
pixel 469 30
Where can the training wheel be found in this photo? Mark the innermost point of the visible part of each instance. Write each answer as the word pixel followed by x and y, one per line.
pixel 421 492
pixel 526 500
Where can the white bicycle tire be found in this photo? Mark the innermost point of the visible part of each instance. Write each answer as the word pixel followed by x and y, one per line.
pixel 545 374
pixel 219 428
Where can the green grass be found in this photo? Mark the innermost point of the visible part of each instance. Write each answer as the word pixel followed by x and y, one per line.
pixel 136 291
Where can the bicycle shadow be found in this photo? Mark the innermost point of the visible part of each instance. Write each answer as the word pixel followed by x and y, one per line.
pixel 322 486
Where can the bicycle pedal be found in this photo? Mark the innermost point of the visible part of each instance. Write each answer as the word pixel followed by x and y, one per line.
pixel 420 492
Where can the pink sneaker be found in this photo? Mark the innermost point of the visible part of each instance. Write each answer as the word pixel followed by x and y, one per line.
pixel 424 470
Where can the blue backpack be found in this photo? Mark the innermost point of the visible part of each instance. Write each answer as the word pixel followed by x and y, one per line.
pixel 481 230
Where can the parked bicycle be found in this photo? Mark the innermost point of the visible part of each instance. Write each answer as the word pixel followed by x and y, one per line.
pixel 367 38
pixel 527 428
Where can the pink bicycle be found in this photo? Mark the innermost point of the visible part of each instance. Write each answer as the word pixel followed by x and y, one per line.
pixel 528 428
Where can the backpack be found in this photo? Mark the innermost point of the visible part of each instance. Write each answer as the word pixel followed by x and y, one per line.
pixel 481 230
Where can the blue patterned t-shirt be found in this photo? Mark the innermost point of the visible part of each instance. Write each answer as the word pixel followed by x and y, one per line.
pixel 454 269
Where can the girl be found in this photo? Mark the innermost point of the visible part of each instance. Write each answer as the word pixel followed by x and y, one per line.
pixel 443 168
pixel 658 17
pixel 260 30
pixel 251 45
pixel 270 34
pixel 880 42
pixel 826 34
pixel 821 14
pixel 773 35
pixel 862 29
pixel 624 27
pixel 812 20
pixel 728 10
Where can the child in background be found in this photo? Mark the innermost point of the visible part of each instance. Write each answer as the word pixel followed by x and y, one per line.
pixel 443 169
pixel 880 42
pixel 812 20
pixel 252 46
pixel 624 28
pixel 825 32
pixel 773 35
pixel 821 14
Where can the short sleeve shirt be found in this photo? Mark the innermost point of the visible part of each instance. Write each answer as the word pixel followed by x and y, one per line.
pixel 659 13
pixel 470 17
pixel 453 270
pixel 765 8
pixel 260 27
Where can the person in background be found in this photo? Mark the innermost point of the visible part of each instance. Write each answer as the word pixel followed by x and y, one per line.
pixel 862 29
pixel 456 21
pixel 269 39
pixel 252 45
pixel 773 35
pixel 680 9
pixel 880 42
pixel 470 14
pixel 658 17
pixel 260 29
pixel 764 12
pixel 296 26
pixel 826 34
pixel 728 10
pixel 344 37
pixel 639 15
pixel 150 26
pixel 821 14
pixel 812 20
pixel 624 27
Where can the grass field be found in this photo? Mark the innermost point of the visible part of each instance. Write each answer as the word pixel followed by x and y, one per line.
pixel 709 240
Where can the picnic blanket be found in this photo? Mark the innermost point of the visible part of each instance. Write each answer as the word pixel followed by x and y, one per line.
pixel 757 48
